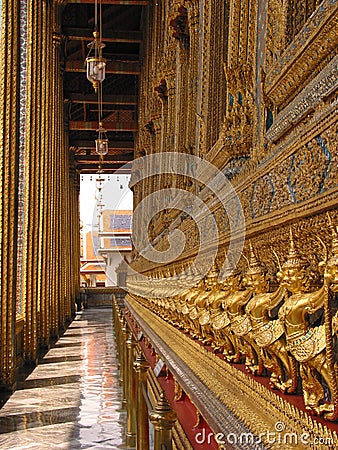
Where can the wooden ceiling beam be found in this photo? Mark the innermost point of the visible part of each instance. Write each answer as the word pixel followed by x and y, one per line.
pixel 113 145
pixel 112 67
pixel 107 100
pixel 86 34
pixel 122 158
pixel 93 168
pixel 114 2
pixel 81 125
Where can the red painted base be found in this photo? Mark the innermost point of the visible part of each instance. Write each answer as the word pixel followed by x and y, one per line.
pixel 198 432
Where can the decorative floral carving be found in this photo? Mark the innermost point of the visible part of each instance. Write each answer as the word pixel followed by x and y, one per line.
pixel 329 142
pixel 305 177
pixel 262 195
pixel 300 60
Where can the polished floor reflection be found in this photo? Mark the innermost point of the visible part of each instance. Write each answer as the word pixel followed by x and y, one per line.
pixel 72 399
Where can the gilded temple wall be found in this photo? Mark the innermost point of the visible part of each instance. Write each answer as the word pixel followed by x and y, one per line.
pixel 251 88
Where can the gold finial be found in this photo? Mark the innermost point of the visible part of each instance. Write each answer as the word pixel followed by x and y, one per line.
pixel 254 265
pixel 228 269
pixel 163 416
pixel 140 363
pixel 277 258
pixel 294 259
pixel 213 272
pixel 334 234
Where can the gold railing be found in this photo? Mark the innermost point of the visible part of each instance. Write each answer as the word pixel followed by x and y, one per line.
pixel 142 395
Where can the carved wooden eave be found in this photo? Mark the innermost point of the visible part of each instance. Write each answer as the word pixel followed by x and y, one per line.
pixel 316 42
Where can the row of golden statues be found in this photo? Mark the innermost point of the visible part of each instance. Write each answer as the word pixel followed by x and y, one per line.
pixel 290 333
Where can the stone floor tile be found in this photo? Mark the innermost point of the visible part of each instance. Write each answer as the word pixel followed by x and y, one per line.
pixel 72 399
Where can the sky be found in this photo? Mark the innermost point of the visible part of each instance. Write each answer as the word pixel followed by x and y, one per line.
pixel 115 195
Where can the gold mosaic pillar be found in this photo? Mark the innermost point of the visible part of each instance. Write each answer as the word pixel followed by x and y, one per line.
pixel 141 367
pixel 53 232
pixel 58 270
pixel 31 293
pixel 63 212
pixel 75 235
pixel 9 104
pixel 194 33
pixel 66 232
pixel 182 98
pixel 171 103
pixel 60 228
pixel 130 380
pixel 45 210
pixel 211 58
pixel 163 418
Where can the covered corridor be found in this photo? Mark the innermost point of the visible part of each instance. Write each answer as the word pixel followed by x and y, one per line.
pixel 224 115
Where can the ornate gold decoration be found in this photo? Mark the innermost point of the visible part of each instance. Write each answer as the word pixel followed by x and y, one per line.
pixel 255 399
pixel 305 342
pixel 256 95
pixel 301 59
pixel 275 329
pixel 178 391
pixel 9 94
pixel 268 331
pixel 198 416
pixel 180 26
pixel 163 419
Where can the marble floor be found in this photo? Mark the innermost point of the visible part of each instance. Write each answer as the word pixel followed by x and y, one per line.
pixel 72 399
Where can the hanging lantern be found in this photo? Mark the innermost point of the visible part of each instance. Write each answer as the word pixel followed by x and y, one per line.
pixel 101 146
pixel 101 142
pixel 96 64
pixel 96 73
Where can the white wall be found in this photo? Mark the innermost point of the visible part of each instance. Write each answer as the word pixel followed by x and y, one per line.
pixel 112 262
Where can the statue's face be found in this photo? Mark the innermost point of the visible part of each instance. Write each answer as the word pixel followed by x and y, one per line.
pixel 228 282
pixel 257 281
pixel 201 284
pixel 331 273
pixel 236 282
pixel 280 277
pixel 295 279
pixel 211 283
